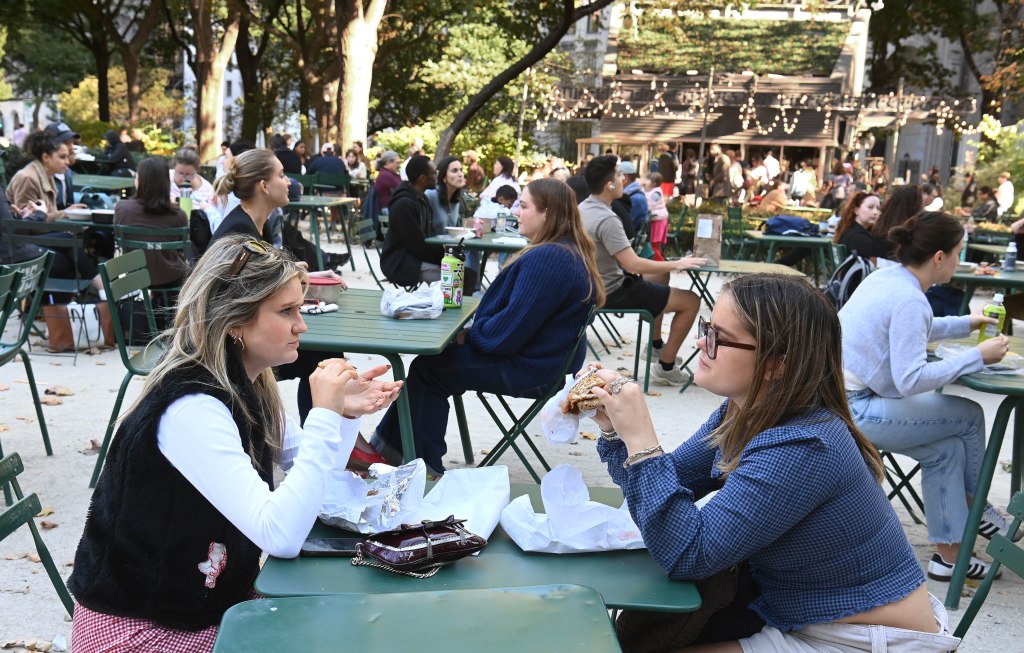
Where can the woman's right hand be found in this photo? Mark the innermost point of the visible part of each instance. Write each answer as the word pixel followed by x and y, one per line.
pixel 327 384
pixel 994 349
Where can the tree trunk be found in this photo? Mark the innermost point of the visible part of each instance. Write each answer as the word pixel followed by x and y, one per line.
pixel 358 50
pixel 102 84
pixel 131 74
pixel 252 89
pixel 570 15
pixel 211 61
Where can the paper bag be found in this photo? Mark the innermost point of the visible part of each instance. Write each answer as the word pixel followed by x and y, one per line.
pixel 707 242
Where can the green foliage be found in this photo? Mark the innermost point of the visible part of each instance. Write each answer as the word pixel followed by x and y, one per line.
pixel 675 44
pixel 6 91
pixel 41 66
pixel 1004 151
pixel 158 106
pixel 399 140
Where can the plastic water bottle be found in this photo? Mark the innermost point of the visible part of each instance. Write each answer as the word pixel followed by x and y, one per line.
pixel 963 252
pixel 453 269
pixel 995 310
pixel 1010 260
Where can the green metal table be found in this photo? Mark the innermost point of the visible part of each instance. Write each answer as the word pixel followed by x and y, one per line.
pixel 104 184
pixel 998 250
pixel 734 267
pixel 358 326
pixel 537 618
pixel 317 205
pixel 819 245
pixel 625 579
pixel 1013 388
pixel 1005 280
pixel 489 242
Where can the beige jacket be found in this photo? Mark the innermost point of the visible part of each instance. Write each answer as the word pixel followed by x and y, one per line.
pixel 33 184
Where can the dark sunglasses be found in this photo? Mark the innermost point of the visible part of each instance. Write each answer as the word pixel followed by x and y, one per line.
pixel 712 342
pixel 249 248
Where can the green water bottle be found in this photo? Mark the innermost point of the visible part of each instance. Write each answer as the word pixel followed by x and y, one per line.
pixel 453 269
pixel 996 310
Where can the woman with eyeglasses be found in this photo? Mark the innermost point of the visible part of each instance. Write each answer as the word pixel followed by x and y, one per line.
pixel 187 502
pixel 798 499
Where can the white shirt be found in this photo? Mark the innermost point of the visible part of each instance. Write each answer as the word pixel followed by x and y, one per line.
pixel 773 167
pixel 488 193
pixel 198 436
pixel 1004 196
pixel 934 205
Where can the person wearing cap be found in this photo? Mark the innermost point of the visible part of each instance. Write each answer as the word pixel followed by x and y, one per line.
pixel 63 182
pixel 634 195
pixel 1004 193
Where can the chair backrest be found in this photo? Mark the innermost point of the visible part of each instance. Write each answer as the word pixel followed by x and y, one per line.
pixel 126 275
pixel 338 180
pixel 48 236
pixel 1003 552
pixel 366 233
pixel 640 239
pixel 163 239
pixel 384 218
pixel 307 181
pixel 33 274
pixel 22 513
pixel 9 282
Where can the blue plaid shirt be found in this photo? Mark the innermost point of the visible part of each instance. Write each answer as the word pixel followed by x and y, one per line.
pixel 802 508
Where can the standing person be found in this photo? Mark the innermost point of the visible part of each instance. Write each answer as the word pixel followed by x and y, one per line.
pixel 189 479
pixel 887 325
pixel 405 259
pixel 772 166
pixel 659 214
pixel 387 179
pixel 688 171
pixel 720 186
pixel 759 173
pixel 524 328
pixel 504 175
pixel 668 168
pixel 1004 193
pixel 969 192
pixel 834 568
pixel 856 220
pixel 836 188
pixel 474 173
pixel 620 269
pixel 151 207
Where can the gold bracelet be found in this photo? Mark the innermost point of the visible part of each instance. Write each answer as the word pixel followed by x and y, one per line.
pixel 640 455
pixel 608 435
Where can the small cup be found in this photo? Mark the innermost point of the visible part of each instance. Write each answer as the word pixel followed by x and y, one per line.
pixel 499 224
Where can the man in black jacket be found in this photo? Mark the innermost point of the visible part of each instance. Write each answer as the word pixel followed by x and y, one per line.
pixel 406 259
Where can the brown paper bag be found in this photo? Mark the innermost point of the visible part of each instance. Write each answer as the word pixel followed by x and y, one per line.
pixel 707 242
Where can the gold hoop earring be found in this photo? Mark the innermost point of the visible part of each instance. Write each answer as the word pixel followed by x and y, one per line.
pixel 238 342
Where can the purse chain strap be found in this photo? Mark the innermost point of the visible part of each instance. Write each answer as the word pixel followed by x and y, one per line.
pixel 362 561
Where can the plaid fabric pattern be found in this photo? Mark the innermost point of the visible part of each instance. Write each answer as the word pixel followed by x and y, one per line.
pixel 821 538
pixel 95 632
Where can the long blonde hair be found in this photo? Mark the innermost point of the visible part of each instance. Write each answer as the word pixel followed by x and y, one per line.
pixel 212 303
pixel 563 223
pixel 798 368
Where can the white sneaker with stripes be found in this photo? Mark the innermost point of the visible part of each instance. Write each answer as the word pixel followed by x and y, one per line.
pixel 993 521
pixel 939 569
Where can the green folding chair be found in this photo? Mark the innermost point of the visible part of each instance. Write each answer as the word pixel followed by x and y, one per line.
pixel 127 276
pixel 22 512
pixel 31 279
pixel 367 234
pixel 174 239
pixel 1003 552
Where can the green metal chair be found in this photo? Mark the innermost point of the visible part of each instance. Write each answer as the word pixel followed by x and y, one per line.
pixel 176 239
pixel 22 512
pixel 1003 552
pixel 519 424
pixel 31 281
pixel 644 317
pixel 48 236
pixel 330 182
pixel 122 276
pixel 367 234
pixel 307 181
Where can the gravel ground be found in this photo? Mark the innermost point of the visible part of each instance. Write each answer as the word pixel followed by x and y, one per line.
pixel 29 609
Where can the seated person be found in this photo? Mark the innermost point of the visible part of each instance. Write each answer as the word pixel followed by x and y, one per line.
pixel 326 162
pixel 887 325
pixel 151 207
pixel 856 219
pixel 621 268
pixel 985 208
pixel 527 323
pixel 502 202
pixel 33 188
pixel 829 555
pixel 34 212
pixel 775 200
pixel 185 174
pixel 186 503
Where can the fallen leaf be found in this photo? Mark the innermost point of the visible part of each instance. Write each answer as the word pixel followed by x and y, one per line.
pixel 4 428
pixel 92 449
pixel 575 453
pixel 51 401
pixel 4 388
pixel 56 364
pixel 48 524
pixel 27 420
pixel 34 557
pixel 101 363
pixel 653 393
pixel 587 435
pixel 59 390
pixel 14 556
pixel 45 512
pixel 485 451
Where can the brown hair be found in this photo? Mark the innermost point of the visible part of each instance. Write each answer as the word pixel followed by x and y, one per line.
pixel 787 386
pixel 849 213
pixel 919 238
pixel 563 223
pixel 902 204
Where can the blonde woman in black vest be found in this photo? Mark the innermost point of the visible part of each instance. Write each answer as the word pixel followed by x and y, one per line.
pixel 186 504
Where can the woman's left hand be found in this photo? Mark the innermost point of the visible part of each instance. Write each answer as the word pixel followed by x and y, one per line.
pixel 978 319
pixel 624 403
pixel 365 394
pixel 461 337
pixel 332 275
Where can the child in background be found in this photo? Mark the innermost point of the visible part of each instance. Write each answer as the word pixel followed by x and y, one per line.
pixel 659 214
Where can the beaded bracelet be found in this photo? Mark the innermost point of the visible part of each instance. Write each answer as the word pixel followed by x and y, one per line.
pixel 639 455
pixel 609 435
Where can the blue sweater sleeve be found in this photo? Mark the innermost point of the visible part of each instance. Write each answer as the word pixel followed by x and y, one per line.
pixel 539 286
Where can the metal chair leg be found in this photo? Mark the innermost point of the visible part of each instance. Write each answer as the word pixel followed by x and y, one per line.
pixel 110 429
pixel 460 416
pixel 35 400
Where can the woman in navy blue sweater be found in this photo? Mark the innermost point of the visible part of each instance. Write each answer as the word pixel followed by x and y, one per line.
pixel 526 324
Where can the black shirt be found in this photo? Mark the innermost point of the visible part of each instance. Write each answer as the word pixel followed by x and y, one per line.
pixel 239 222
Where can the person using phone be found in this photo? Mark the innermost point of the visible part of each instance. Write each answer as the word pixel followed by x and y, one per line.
pixel 187 502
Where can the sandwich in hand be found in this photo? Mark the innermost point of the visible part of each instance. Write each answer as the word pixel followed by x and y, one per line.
pixel 580 399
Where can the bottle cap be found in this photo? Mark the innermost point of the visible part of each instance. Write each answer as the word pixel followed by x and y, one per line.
pixel 998 297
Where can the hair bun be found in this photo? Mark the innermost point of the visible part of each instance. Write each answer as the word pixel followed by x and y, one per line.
pixel 902 234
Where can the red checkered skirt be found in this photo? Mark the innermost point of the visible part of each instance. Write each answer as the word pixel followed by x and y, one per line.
pixel 95 632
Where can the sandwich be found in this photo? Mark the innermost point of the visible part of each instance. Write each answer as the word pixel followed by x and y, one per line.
pixel 580 399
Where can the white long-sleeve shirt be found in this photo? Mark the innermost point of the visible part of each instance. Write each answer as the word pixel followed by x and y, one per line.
pixel 198 436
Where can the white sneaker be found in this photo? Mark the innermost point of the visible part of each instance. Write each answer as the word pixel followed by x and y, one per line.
pixel 993 521
pixel 656 355
pixel 675 377
pixel 939 569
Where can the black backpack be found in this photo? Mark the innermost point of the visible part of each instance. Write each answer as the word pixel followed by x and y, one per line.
pixel 846 278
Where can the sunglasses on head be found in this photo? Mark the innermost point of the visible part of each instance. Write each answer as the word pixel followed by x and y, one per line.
pixel 713 341
pixel 249 248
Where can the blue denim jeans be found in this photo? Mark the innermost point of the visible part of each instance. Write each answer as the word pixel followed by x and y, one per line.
pixel 946 434
pixel 433 379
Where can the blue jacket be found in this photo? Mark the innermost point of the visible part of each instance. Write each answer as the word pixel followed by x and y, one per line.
pixel 638 208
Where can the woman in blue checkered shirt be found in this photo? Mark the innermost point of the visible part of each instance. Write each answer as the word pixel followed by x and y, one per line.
pixel 798 486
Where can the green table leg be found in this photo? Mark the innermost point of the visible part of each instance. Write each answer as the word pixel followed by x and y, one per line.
pixel 343 218
pixel 404 412
pixel 965 305
pixel 702 288
pixel 1018 452
pixel 771 252
pixel 988 467
pixel 314 225
pixel 460 416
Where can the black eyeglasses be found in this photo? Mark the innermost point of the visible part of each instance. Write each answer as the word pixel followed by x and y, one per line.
pixel 249 248
pixel 705 330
